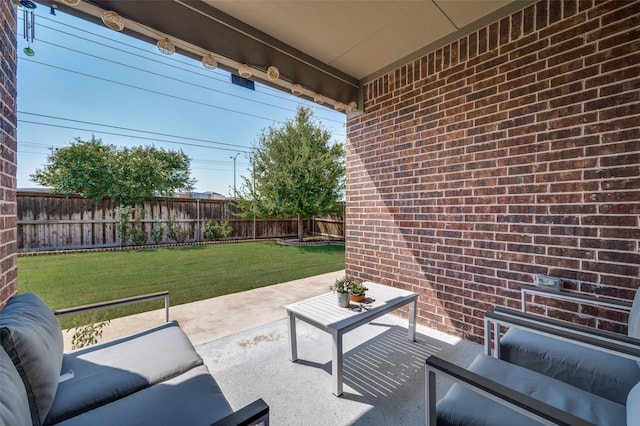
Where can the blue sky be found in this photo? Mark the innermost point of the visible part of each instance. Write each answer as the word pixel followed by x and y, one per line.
pixel 87 79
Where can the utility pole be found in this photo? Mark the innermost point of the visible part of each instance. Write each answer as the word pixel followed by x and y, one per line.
pixel 234 175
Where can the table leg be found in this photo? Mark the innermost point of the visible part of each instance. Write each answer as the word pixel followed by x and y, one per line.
pixel 293 344
pixel 412 321
pixel 336 364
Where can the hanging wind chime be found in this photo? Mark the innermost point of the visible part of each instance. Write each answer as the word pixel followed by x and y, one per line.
pixel 29 25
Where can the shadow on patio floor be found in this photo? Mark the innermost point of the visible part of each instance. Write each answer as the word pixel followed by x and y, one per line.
pixel 383 372
pixel 243 339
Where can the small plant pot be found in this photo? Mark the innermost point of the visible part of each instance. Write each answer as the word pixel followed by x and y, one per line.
pixel 357 298
pixel 343 300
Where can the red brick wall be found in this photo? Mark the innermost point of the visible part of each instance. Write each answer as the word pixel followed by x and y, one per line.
pixel 510 152
pixel 8 150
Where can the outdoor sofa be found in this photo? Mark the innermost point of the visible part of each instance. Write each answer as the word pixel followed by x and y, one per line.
pixel 547 371
pixel 152 377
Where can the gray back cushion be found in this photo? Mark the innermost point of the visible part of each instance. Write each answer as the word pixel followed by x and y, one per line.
pixel 31 336
pixel 634 318
pixel 598 372
pixel 14 405
pixel 633 406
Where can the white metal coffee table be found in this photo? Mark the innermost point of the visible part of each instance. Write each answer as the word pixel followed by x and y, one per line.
pixel 323 312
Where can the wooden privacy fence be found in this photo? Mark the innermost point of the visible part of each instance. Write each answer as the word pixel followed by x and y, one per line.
pixel 47 221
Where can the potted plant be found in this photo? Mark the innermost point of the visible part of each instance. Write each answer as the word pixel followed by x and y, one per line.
pixel 357 290
pixel 341 288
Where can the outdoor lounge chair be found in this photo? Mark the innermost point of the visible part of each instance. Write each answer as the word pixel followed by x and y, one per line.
pixel 562 373
pixel 492 392
pixel 554 348
pixel 496 392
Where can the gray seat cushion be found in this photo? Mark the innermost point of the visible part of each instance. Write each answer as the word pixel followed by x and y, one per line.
pixel 115 369
pixel 462 406
pixel 14 405
pixel 633 406
pixel 31 336
pixel 193 398
pixel 597 372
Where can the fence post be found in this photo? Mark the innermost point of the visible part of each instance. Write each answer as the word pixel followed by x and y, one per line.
pixel 198 219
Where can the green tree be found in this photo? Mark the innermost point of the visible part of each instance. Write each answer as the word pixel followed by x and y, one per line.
pixel 296 172
pixel 127 175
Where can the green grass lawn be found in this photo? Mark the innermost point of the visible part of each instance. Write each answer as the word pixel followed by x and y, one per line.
pixel 189 273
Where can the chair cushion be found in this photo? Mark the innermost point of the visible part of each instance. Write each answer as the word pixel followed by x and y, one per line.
pixel 634 318
pixel 31 336
pixel 633 406
pixel 193 398
pixel 105 372
pixel 14 404
pixel 462 406
pixel 597 372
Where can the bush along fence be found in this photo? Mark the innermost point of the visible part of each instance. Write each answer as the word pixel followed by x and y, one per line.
pixel 52 222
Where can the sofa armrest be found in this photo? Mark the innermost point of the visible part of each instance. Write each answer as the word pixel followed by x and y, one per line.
pixel 602 340
pixel 115 303
pixel 574 297
pixel 256 413
pixel 497 392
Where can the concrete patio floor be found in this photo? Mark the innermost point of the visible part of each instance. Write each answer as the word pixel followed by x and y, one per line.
pixel 243 339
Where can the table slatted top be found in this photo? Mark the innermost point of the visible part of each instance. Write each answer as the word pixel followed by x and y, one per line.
pixel 324 311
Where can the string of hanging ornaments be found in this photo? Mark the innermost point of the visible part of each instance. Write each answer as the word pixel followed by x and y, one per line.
pixel 28 25
pixel 273 74
pixel 114 21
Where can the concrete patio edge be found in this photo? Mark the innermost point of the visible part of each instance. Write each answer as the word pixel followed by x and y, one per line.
pixel 211 319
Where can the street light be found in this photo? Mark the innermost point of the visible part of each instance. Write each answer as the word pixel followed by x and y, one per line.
pixel 234 174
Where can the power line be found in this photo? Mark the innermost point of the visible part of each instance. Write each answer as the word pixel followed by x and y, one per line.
pixel 226 81
pixel 193 161
pixel 149 90
pixel 181 68
pixel 47 146
pixel 129 136
pixel 22 151
pixel 173 79
pixel 211 170
pixel 132 130
pixel 137 55
pixel 198 161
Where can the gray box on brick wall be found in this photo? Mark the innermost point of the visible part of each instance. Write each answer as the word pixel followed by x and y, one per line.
pixel 545 281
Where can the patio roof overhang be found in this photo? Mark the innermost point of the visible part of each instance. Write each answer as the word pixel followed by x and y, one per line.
pixel 329 48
